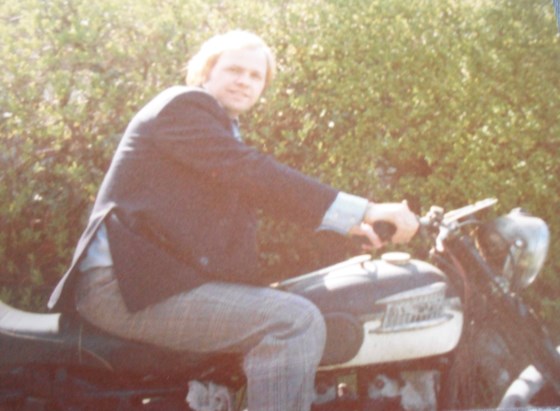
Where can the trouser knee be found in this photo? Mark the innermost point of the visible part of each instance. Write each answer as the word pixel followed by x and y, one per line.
pixel 317 324
pixel 309 322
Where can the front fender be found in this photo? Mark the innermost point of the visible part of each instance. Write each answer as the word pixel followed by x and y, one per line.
pixel 523 390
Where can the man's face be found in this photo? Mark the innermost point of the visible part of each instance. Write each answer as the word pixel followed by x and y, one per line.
pixel 238 79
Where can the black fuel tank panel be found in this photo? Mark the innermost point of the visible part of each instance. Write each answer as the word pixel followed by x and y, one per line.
pixel 355 285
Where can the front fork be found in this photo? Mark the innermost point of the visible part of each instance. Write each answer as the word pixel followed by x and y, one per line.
pixel 529 333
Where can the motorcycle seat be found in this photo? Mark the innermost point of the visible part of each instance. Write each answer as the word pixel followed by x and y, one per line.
pixel 67 340
pixel 22 322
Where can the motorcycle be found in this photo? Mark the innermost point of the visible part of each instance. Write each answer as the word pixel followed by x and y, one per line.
pixel 402 334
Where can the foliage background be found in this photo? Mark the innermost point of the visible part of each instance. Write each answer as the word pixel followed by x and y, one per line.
pixel 436 101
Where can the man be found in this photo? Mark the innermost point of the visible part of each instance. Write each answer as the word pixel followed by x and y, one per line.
pixel 169 255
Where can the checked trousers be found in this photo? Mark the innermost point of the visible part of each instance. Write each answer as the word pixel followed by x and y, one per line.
pixel 280 335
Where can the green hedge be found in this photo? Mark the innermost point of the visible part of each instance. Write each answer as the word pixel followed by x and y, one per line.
pixel 439 102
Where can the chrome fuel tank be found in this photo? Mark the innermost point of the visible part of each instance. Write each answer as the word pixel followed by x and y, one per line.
pixel 390 309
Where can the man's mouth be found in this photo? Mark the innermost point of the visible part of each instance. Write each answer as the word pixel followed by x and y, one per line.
pixel 238 94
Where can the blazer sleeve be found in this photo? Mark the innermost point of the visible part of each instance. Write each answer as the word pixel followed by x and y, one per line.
pixel 194 131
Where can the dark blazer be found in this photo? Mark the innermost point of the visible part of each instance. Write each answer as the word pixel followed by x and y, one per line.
pixel 180 199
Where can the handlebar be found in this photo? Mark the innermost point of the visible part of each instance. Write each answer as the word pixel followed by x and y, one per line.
pixel 434 218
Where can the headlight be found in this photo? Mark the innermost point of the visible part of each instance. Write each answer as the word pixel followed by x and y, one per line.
pixel 516 245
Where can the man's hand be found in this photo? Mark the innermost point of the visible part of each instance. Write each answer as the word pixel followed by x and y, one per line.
pixel 398 214
pixel 366 230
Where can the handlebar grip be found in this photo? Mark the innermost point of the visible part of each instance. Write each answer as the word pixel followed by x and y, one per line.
pixel 384 230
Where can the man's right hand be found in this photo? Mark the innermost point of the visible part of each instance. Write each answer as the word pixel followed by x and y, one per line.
pixel 405 221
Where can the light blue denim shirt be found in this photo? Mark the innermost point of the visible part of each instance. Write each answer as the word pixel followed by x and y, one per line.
pixel 98 252
pixel 346 211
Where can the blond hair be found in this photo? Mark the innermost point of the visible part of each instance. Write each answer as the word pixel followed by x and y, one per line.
pixel 200 65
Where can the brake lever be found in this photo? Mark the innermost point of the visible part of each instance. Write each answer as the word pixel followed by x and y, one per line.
pixel 455 215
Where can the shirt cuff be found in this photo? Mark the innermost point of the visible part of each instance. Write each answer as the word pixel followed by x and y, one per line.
pixel 345 212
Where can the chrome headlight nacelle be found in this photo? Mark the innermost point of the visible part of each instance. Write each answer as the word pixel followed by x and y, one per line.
pixel 516 245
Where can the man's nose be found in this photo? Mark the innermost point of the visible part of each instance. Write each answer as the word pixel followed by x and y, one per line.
pixel 243 78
